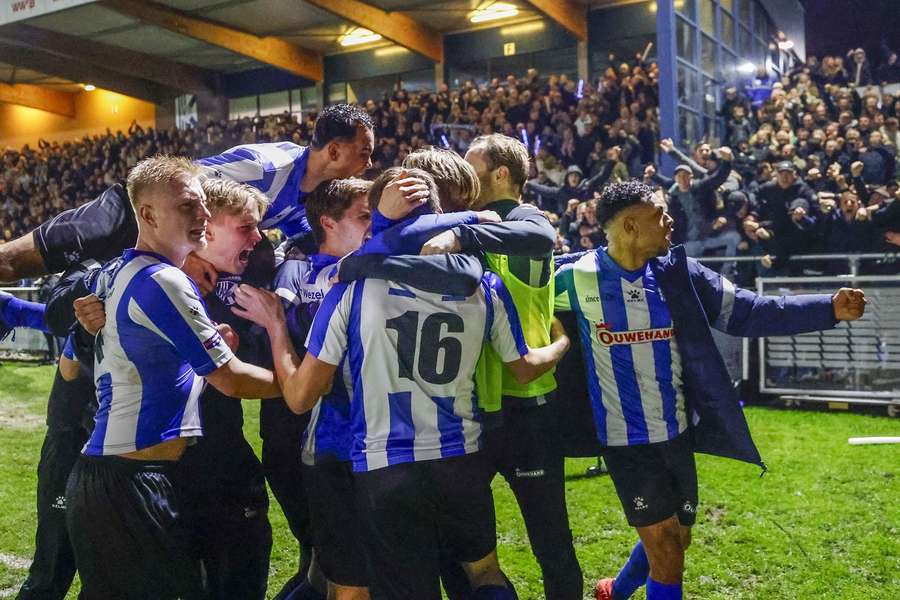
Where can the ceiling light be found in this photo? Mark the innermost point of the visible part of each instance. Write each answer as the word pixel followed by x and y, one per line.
pixel 492 12
pixel 358 36
pixel 89 87
pixel 747 68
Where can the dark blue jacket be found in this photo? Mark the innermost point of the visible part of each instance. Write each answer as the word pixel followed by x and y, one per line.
pixel 698 299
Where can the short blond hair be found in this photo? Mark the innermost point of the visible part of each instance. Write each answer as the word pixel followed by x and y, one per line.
pixel 455 178
pixel 161 169
pixel 233 198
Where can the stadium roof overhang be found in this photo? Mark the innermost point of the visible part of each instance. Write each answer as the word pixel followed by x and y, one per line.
pixel 156 50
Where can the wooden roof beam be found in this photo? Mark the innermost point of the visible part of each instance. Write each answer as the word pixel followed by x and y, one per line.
pixel 73 70
pixel 41 98
pixel 395 26
pixel 270 50
pixel 163 71
pixel 567 13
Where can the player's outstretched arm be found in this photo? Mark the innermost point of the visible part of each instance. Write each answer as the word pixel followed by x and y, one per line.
pixel 540 360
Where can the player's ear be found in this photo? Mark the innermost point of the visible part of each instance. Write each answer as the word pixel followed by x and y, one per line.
pixel 327 223
pixel 145 212
pixel 334 150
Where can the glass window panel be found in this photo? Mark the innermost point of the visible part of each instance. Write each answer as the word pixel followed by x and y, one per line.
pixel 687 8
pixel 239 108
pixel 688 126
pixel 744 11
pixel 476 72
pixel 337 92
pixel 710 93
pixel 688 83
pixel 727 30
pixel 761 26
pixel 726 4
pixel 707 54
pixel 711 130
pixel 274 103
pixel 560 61
pixel 414 81
pixel 685 41
pixel 746 42
pixel 708 16
pixel 305 99
pixel 729 66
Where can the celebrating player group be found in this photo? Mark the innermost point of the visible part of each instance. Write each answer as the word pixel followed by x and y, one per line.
pixel 403 343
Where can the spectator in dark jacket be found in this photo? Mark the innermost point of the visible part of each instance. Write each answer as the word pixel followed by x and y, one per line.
pixel 555 197
pixel 790 222
pixel 845 229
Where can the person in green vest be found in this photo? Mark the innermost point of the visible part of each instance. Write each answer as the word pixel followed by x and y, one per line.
pixel 521 431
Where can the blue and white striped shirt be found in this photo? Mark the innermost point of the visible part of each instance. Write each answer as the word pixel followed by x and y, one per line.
pixel 632 360
pixel 275 169
pixel 302 285
pixel 151 355
pixel 412 357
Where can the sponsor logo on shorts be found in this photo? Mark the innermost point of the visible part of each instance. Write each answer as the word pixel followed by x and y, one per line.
pixel 212 341
pixel 59 503
pixel 641 336
pixel 639 503
pixel 529 474
pixel 689 507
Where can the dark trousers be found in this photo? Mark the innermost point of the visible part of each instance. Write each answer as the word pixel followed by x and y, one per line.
pixel 526 451
pixel 281 432
pixel 127 524
pixel 53 566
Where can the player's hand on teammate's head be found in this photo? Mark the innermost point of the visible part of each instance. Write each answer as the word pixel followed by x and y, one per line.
pixel 401 196
pixel 260 306
pixel 849 304
pixel 90 312
pixel 442 243
pixel 230 336
pixel 202 272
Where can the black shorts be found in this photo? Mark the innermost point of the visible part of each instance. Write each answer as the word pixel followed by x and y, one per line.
pixel 101 230
pixel 128 530
pixel 655 481
pixel 337 530
pixel 416 513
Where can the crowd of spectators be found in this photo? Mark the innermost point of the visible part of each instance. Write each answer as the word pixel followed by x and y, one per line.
pixel 808 161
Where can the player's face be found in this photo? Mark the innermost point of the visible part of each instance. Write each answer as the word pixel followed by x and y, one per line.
pixel 654 228
pixel 231 239
pixel 348 234
pixel 354 156
pixel 478 161
pixel 179 215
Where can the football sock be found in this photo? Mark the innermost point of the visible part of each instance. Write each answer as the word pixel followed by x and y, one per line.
pixel 633 575
pixel 21 313
pixel 663 591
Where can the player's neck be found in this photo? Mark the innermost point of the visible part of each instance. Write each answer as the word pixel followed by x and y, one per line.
pixel 330 250
pixel 317 170
pixel 626 257
pixel 175 255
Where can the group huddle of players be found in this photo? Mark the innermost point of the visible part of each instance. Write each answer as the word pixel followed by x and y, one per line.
pixel 403 342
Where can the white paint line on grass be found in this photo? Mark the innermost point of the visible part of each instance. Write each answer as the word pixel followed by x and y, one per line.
pixel 14 562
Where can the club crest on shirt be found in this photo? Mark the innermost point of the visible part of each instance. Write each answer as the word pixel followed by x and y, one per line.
pixel 212 341
pixel 641 336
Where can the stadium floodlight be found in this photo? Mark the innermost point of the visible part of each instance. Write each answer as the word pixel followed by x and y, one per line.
pixel 493 11
pixel 747 68
pixel 358 36
pixel 89 87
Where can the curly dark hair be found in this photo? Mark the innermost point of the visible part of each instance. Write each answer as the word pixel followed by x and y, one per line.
pixel 339 122
pixel 619 196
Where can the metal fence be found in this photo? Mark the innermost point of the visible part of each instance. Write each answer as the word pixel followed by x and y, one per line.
pixel 26 344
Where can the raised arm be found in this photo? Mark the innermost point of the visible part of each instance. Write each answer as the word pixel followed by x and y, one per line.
pixel 739 312
pixel 526 232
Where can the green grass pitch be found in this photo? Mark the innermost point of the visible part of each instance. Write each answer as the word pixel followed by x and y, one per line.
pixel 823 523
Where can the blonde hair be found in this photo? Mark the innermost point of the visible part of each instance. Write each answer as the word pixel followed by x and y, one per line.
pixel 233 198
pixel 455 178
pixel 161 169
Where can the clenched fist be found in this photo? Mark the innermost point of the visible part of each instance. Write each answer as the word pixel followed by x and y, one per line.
pixel 849 304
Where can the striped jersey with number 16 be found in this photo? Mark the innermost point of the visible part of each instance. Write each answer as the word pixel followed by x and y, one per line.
pixel 412 358
pixel 631 357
